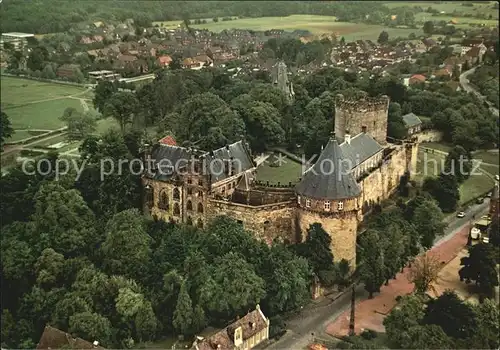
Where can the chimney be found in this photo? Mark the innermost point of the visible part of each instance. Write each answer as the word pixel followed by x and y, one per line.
pixel 347 137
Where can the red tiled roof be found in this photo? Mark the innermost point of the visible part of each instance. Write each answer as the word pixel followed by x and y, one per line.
pixel 168 140
pixel 165 60
pixel 418 77
pixel 53 338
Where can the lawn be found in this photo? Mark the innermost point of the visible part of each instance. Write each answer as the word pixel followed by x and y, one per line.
pixel 42 115
pixel 475 186
pixel 431 164
pixel 19 92
pixel 289 171
pixel 492 169
pixel 315 24
pixel 24 134
pixel 487 157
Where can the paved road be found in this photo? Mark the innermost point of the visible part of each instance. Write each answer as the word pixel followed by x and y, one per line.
pixel 465 83
pixel 316 320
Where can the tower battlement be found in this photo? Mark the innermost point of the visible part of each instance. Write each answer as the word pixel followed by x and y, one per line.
pixel 368 115
pixel 365 104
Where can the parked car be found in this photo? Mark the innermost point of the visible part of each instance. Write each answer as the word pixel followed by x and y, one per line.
pixel 486 240
pixel 497 177
pixel 461 214
pixel 475 233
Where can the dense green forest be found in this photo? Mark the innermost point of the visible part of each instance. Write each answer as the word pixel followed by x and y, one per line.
pixel 50 16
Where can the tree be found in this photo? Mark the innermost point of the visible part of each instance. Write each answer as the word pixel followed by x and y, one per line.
pixel 126 247
pixel 102 93
pixel 445 190
pixel 494 233
pixel 183 314
pixel 122 106
pixel 406 315
pixel 317 250
pixel 80 125
pixel 428 221
pixel 428 27
pixel 63 221
pixel 48 72
pixel 49 267
pixel 455 317
pixel 234 285
pixel 424 272
pixel 372 261
pixel 480 266
pixel 6 129
pixel 487 315
pixel 383 37
pixel 458 163
pixel 88 325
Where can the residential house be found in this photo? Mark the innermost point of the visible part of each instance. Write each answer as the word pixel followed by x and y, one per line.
pixel 246 333
pixel 473 56
pixel 442 73
pixel 207 61
pixel 168 140
pixel 417 79
pixel 191 63
pixel 164 61
pixel 67 70
pixel 413 123
pixel 53 338
pixel 429 43
pixel 91 39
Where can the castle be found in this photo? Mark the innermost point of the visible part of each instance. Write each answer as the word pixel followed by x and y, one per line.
pixel 356 170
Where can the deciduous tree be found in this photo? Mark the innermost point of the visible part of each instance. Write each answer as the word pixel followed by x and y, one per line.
pixel 424 272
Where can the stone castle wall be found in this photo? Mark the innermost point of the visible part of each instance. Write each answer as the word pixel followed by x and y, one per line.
pixel 342 228
pixel 356 116
pixel 384 180
pixel 266 222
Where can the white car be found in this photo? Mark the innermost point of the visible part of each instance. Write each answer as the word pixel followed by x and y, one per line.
pixel 486 240
pixel 461 214
pixel 497 177
pixel 475 233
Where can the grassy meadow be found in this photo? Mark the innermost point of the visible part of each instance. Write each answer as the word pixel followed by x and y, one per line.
pixel 317 25
pixel 34 107
pixel 450 6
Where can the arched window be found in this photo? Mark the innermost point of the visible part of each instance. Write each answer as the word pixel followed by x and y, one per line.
pixel 189 205
pixel 200 182
pixel 200 208
pixel 176 194
pixel 163 204
pixel 189 221
pixel 200 194
pixel 189 191
pixel 177 209
pixel 200 223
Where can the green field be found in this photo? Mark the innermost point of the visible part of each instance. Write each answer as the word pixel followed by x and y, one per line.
pixel 34 105
pixel 450 7
pixel 18 92
pixel 487 157
pixel 431 164
pixel 315 24
pixel 289 171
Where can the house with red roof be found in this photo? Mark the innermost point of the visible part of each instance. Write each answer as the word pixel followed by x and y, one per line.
pixel 417 79
pixel 168 140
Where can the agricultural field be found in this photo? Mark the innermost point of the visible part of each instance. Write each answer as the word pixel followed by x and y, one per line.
pixel 315 24
pixel 34 107
pixel 450 7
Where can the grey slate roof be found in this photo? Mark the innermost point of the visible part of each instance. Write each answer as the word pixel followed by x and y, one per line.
pixel 235 151
pixel 330 177
pixel 167 158
pixel 362 147
pixel 411 120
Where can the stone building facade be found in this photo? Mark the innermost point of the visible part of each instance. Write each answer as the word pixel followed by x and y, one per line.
pixel 356 170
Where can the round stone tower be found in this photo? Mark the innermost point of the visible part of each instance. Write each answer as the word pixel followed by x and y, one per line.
pixel 328 194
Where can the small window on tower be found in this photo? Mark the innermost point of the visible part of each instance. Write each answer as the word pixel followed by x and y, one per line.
pixel 340 206
pixel 308 203
pixel 298 199
pixel 327 205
